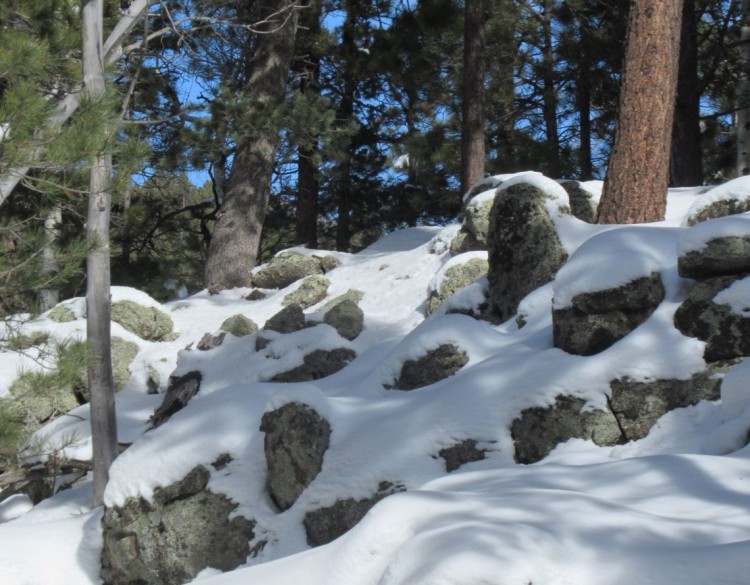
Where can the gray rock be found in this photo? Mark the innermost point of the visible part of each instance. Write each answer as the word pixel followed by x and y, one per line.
pixel 352 294
pixel 255 295
pixel 524 249
pixel 61 314
pixel 209 341
pixel 461 453
pixel 477 222
pixel 296 439
pixel 312 290
pixel 168 542
pixel 180 391
pixel 123 354
pixel 596 320
pixel 318 364
pixel 327 524
pixel 328 263
pixel 436 365
pixel 539 430
pixel 290 319
pixel 727 334
pixel 721 208
pixel 346 318
pixel 582 205
pixel 721 257
pixel 456 278
pixel 464 241
pixel 148 323
pixel 286 268
pixel 239 325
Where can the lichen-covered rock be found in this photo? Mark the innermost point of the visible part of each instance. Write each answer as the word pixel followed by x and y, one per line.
pixel 726 332
pixel 731 198
pixel 438 364
pixel 327 524
pixel 180 391
pixel 184 530
pixel 477 220
pixel 61 314
pixel 311 291
pixel 239 325
pixel 346 318
pixel 329 263
pixel 318 364
pixel 722 256
pixel 524 249
pixel 296 439
pixel 539 430
pixel 210 341
pixel 464 241
pixel 582 204
pixel 352 294
pixel 148 323
pixel 285 268
pixel 596 320
pixel 455 278
pixel 461 453
pixel 123 354
pixel 290 319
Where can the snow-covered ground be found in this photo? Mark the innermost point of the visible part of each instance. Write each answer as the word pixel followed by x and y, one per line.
pixel 670 509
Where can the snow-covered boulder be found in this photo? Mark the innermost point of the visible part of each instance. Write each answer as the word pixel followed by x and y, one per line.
pixel 239 325
pixel 346 318
pixel 730 198
pixel 318 364
pixel 718 247
pixel 180 391
pixel 461 453
pixel 440 363
pixel 583 205
pixel 285 268
pixel 148 323
pixel 459 272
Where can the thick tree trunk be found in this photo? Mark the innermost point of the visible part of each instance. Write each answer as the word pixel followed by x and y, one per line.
pixel 472 122
pixel 743 106
pixel 233 251
pixel 687 157
pixel 635 187
pixel 102 401
pixel 583 101
pixel 549 94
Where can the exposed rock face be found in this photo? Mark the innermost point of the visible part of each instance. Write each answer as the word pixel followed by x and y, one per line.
pixel 582 205
pixel 286 268
pixel 539 430
pixel 312 290
pixel 148 323
pixel 597 320
pixel 524 249
pixel 721 257
pixel 327 524
pixel 296 440
pixel 318 364
pixel 178 394
pixel 461 453
pixel 290 319
pixel 438 364
pixel 456 278
pixel 726 333
pixel 239 325
pixel 184 530
pixel 346 318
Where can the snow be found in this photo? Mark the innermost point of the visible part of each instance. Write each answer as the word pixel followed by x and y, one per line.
pixel 696 238
pixel 672 508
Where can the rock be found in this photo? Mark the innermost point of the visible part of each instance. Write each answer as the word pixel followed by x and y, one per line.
pixel 327 524
pixel 290 319
pixel 455 278
pixel 638 405
pixel 723 256
pixel 148 323
pixel 726 333
pixel 524 249
pixel 318 364
pixel 185 530
pixel 180 391
pixel 582 204
pixel 596 320
pixel 239 325
pixel 296 439
pixel 352 294
pixel 436 365
pixel 465 242
pixel 346 318
pixel 461 453
pixel 123 354
pixel 477 220
pixel 731 198
pixel 328 263
pixel 539 430
pixel 61 314
pixel 209 341
pixel 285 268
pixel 255 295
pixel 312 290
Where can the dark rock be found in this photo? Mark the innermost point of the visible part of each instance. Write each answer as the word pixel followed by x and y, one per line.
pixel 539 430
pixel 312 290
pixel 296 440
pixel 286 268
pixel 327 524
pixel 168 542
pixel 723 256
pixel 178 394
pixel 318 364
pixel 727 334
pixel 209 341
pixel 290 319
pixel 524 249
pixel 582 205
pixel 255 295
pixel 596 320
pixel 720 208
pixel 461 453
pixel 438 364
pixel 148 323
pixel 239 325
pixel 454 279
pixel 346 318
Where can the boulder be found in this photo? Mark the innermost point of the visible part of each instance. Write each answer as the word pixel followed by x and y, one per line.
pixel 148 323
pixel 352 294
pixel 477 219
pixel 255 295
pixel 61 314
pixel 726 332
pixel 290 319
pixel 722 256
pixel 438 364
pixel 524 249
pixel 180 391
pixel 596 320
pixel 285 268
pixel 539 430
pixel 318 364
pixel 731 198
pixel 239 325
pixel 296 439
pixel 464 241
pixel 312 290
pixel 582 204
pixel 455 278
pixel 325 525
pixel 346 318
pixel 209 341
pixel 461 453
pixel 184 530
pixel 328 263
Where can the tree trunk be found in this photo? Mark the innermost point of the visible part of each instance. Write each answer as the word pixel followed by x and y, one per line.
pixel 635 187
pixel 102 401
pixel 233 251
pixel 687 157
pixel 549 94
pixel 49 296
pixel 583 100
pixel 743 92
pixel 472 122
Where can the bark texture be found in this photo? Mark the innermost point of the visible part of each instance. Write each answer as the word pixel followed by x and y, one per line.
pixel 472 123
pixel 635 187
pixel 743 106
